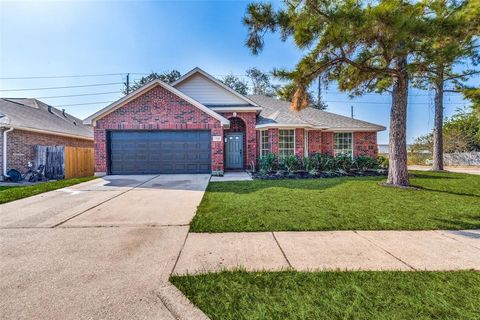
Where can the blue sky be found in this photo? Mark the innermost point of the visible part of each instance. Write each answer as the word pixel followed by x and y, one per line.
pixel 90 38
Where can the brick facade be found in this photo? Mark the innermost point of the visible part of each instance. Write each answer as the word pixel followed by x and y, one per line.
pixel 365 144
pixel 157 109
pixel 21 146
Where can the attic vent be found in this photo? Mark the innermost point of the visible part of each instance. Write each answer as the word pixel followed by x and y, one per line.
pixel 63 112
pixel 74 122
pixel 50 109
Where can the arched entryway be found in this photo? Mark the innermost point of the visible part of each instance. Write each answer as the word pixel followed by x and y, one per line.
pixel 235 145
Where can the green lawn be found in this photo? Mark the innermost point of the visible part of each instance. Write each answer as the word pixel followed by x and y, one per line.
pixel 335 295
pixel 445 201
pixel 8 194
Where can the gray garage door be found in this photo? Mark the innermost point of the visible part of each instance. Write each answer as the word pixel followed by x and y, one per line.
pixel 137 152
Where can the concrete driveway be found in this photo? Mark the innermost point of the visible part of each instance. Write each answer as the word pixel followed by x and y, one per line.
pixel 98 250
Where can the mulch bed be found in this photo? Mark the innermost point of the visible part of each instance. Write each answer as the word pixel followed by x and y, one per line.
pixel 324 174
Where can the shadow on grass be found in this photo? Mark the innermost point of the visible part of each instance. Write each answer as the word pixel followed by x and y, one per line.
pixel 463 194
pixel 245 187
pixel 440 176
pixel 457 224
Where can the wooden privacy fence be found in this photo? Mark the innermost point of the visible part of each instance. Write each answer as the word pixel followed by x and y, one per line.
pixel 78 162
pixel 64 162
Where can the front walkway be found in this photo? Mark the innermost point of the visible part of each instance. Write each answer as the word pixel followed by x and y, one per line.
pixel 335 250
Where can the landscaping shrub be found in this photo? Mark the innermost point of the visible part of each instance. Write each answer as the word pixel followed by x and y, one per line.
pixel 319 165
pixel 343 162
pixel 267 163
pixel 382 162
pixel 364 163
pixel 324 162
pixel 290 163
pixel 310 164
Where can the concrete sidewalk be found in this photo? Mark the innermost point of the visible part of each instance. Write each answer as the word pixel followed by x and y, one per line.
pixel 336 250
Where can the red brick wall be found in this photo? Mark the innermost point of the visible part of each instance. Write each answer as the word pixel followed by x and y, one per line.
pixel 299 143
pixel 327 143
pixel 314 141
pixel 273 136
pixel 250 138
pixel 365 144
pixel 157 109
pixel 21 146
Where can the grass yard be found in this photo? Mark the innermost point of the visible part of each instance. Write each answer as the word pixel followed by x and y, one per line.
pixel 9 193
pixel 445 201
pixel 334 295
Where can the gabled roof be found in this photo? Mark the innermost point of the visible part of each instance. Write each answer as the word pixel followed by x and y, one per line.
pixel 121 102
pixel 34 115
pixel 277 113
pixel 197 70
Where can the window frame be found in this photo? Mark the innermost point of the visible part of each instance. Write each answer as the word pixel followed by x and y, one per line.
pixel 282 150
pixel 351 144
pixel 264 150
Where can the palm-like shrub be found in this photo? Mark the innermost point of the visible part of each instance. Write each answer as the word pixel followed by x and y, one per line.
pixel 364 163
pixel 343 162
pixel 290 163
pixel 267 163
pixel 323 162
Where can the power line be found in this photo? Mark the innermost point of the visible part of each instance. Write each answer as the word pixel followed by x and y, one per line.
pixel 66 87
pixel 82 104
pixel 79 95
pixel 58 77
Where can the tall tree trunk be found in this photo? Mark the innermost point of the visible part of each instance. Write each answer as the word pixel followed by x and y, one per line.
pixel 438 126
pixel 397 170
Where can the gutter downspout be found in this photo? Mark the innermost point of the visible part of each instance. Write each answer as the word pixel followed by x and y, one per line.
pixel 4 154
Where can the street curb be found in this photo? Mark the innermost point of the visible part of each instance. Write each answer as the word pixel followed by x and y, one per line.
pixel 178 305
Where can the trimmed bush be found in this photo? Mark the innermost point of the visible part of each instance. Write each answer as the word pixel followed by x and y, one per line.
pixel 364 163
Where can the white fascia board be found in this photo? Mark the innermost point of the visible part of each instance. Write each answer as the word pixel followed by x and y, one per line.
pixel 120 103
pixel 218 82
pixel 283 126
pixel 353 129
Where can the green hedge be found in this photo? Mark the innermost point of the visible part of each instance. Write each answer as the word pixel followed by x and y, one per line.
pixel 320 162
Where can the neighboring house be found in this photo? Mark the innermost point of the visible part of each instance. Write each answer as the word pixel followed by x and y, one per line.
pixel 25 123
pixel 383 148
pixel 199 125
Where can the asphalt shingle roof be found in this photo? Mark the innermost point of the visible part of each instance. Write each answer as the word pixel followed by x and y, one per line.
pixel 34 114
pixel 279 112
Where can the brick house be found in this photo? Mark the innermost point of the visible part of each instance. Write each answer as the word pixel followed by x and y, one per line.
pixel 25 123
pixel 199 125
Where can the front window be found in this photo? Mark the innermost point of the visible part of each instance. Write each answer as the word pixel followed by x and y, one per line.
pixel 343 143
pixel 264 143
pixel 286 143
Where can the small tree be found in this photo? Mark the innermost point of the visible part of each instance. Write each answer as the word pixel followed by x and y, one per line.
pixel 167 77
pixel 452 43
pixel 236 83
pixel 261 83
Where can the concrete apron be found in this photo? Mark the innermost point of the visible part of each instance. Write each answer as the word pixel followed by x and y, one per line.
pixel 337 250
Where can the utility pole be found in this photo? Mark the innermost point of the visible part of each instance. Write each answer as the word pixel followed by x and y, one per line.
pixel 128 83
pixel 351 111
